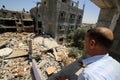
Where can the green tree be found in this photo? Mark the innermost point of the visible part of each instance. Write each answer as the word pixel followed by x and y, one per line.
pixel 75 52
pixel 78 37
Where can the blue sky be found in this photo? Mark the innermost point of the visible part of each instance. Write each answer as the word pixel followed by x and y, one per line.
pixel 90 14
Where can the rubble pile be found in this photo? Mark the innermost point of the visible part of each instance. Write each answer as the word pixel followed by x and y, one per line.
pixel 47 62
pixel 48 65
pixel 52 57
pixel 14 68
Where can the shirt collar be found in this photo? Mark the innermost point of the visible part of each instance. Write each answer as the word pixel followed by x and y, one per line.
pixel 93 59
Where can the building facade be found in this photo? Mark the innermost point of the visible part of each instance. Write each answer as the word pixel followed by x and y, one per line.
pixel 57 18
pixel 14 19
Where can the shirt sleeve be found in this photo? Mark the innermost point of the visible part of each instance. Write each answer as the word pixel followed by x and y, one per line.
pixel 82 76
pixel 86 76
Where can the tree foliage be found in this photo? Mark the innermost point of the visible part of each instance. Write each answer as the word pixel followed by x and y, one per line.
pixel 75 52
pixel 78 37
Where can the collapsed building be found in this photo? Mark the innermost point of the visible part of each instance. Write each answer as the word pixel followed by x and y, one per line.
pixel 15 20
pixel 24 56
pixel 44 64
pixel 58 18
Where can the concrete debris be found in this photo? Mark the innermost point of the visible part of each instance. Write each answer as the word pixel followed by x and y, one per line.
pixel 4 43
pixel 15 69
pixel 5 52
pixel 17 53
pixel 15 45
pixel 55 53
pixel 50 70
pixel 52 56
pixel 42 63
pixel 45 44
pixel 47 61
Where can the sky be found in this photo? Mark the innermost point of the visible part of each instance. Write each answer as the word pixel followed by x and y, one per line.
pixel 91 11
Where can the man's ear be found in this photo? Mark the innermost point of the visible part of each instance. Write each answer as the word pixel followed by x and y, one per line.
pixel 92 44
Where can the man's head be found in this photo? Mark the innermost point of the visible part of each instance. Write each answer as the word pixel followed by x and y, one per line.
pixel 98 41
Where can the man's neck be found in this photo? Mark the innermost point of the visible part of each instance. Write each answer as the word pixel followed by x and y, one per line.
pixel 99 52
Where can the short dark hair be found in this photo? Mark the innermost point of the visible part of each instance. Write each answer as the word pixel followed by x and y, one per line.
pixel 100 38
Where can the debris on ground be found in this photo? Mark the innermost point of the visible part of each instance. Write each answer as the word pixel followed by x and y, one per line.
pixel 16 55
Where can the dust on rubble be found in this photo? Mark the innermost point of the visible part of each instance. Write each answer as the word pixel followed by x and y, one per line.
pixel 52 56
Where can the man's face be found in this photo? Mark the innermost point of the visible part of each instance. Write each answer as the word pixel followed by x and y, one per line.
pixel 90 45
pixel 86 43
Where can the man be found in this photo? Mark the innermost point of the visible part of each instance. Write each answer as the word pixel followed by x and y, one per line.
pixel 100 66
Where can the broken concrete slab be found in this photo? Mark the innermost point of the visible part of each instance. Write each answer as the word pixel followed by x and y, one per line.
pixel 17 53
pixel 5 52
pixel 55 54
pixel 45 44
pixel 50 70
pixel 42 63
pixel 4 43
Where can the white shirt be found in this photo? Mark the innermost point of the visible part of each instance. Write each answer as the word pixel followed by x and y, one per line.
pixel 101 67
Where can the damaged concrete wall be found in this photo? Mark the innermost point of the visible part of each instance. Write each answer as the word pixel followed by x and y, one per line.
pixel 69 19
pixel 59 17
pixel 106 16
pixel 11 20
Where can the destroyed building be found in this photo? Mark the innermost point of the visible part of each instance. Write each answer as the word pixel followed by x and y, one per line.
pixel 14 20
pixel 22 56
pixel 58 18
pixel 54 17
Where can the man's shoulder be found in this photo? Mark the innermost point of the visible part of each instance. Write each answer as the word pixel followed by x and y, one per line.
pixel 103 63
pixel 104 68
pixel 106 60
pixel 112 61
